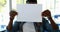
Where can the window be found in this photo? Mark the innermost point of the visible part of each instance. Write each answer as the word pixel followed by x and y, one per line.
pixel 4 14
pixel 53 6
pixel 5 7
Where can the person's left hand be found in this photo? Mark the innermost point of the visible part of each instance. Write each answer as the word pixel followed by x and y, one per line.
pixel 46 13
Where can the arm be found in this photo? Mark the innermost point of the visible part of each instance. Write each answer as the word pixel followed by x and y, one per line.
pixel 9 27
pixel 12 15
pixel 47 13
pixel 53 23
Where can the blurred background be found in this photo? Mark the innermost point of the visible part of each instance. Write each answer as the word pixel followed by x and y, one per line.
pixel 7 5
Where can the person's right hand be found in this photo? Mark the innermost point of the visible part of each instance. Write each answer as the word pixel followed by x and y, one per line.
pixel 13 14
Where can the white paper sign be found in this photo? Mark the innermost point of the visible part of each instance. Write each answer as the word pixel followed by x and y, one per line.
pixel 29 12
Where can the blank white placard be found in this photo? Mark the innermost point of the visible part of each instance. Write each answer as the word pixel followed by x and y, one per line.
pixel 29 12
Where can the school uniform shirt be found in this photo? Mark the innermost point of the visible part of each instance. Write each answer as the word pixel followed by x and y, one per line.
pixel 29 27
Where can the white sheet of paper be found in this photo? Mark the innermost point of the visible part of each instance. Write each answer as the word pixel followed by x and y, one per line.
pixel 29 12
